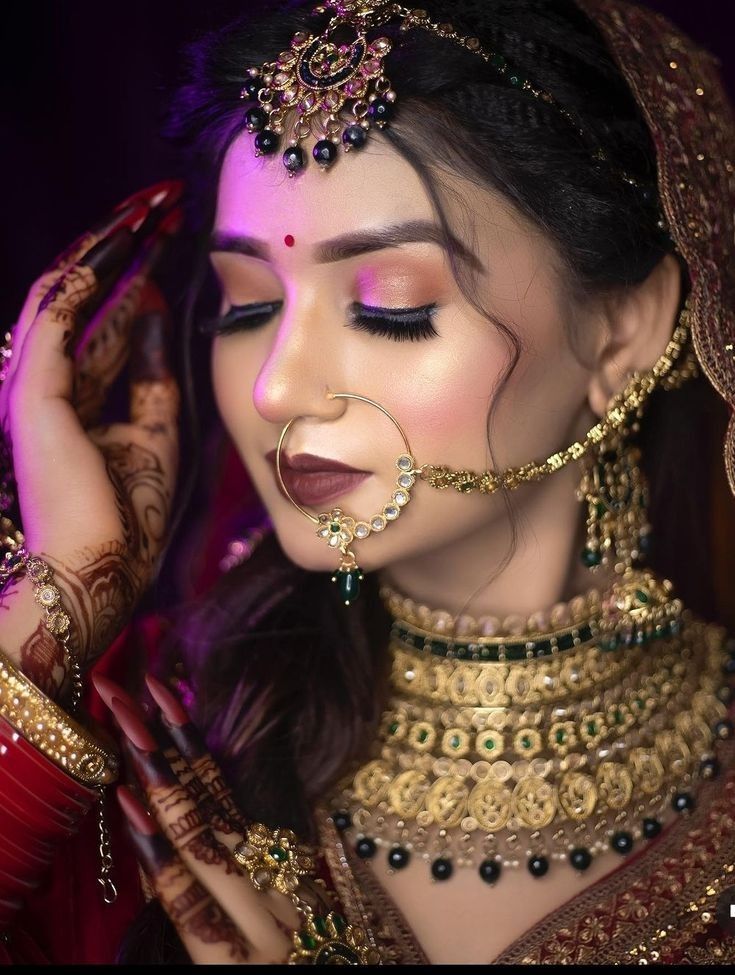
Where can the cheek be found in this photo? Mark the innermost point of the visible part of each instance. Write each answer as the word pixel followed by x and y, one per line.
pixel 232 387
pixel 443 405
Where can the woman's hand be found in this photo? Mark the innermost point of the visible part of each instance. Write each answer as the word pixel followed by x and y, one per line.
pixel 94 501
pixel 186 846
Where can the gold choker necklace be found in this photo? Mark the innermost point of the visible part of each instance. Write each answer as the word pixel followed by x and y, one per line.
pixel 529 746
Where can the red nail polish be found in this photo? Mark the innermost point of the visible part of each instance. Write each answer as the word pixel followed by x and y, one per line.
pixel 136 812
pixel 165 193
pixel 132 726
pixel 167 701
pixel 107 688
pixel 171 223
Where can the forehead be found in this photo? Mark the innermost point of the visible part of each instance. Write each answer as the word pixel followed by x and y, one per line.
pixel 371 187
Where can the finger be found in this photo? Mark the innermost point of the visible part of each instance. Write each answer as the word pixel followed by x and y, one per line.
pixel 136 212
pixel 104 347
pixel 160 196
pixel 154 392
pixel 182 824
pixel 45 360
pixel 190 743
pixel 213 797
pixel 207 933
pixel 132 219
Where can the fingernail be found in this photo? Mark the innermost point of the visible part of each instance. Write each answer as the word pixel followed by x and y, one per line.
pixel 171 223
pixel 107 255
pixel 167 192
pixel 108 688
pixel 167 702
pixel 136 812
pixel 149 342
pixel 153 849
pixel 150 765
pixel 132 216
pixel 132 725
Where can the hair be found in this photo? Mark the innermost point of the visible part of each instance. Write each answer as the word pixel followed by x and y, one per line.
pixel 288 684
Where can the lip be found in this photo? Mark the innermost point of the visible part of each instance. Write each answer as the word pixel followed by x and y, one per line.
pixel 320 487
pixel 311 464
pixel 314 480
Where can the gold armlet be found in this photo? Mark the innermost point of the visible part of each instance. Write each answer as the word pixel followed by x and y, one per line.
pixel 51 730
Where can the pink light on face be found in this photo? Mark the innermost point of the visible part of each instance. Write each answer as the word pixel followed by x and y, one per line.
pixel 288 240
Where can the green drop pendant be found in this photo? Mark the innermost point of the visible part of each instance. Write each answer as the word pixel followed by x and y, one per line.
pixel 348 580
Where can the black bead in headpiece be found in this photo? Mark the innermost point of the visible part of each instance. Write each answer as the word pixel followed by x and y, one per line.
pixel 335 84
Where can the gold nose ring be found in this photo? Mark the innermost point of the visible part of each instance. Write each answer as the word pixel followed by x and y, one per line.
pixel 340 530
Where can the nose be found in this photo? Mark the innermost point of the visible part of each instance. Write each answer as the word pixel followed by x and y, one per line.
pixel 300 369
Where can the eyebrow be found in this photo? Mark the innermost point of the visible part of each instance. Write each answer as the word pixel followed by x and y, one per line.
pixel 354 244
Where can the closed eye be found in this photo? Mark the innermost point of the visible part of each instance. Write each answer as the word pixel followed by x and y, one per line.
pixel 397 324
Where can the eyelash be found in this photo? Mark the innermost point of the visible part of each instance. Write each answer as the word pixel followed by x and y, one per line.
pixel 397 324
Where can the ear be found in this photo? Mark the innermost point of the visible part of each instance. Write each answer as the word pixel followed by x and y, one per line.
pixel 639 324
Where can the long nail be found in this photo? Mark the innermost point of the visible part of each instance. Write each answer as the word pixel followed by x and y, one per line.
pixel 171 223
pixel 163 194
pixel 107 688
pixel 167 701
pixel 133 215
pixel 150 765
pixel 136 812
pixel 109 254
pixel 183 732
pixel 160 223
pixel 132 726
pixel 156 235
pixel 152 847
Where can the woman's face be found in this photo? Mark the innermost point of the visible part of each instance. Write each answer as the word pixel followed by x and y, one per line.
pixel 337 254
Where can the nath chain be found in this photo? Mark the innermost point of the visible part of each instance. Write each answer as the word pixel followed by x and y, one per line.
pixel 628 401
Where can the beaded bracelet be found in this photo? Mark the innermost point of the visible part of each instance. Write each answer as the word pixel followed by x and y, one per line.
pixel 47 595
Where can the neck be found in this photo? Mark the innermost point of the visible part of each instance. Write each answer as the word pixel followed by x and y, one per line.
pixel 513 565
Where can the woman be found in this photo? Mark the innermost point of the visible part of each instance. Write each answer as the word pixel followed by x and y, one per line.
pixel 510 296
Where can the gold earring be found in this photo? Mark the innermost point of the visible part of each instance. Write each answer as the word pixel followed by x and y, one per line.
pixel 616 492
pixel 340 530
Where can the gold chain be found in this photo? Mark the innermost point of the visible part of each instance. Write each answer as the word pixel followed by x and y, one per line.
pixel 628 401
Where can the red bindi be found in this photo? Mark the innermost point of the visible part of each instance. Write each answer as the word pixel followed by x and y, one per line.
pixel 288 240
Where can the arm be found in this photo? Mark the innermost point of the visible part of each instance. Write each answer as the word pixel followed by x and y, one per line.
pixel 96 497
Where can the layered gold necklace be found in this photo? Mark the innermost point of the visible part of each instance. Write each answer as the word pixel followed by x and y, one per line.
pixel 520 743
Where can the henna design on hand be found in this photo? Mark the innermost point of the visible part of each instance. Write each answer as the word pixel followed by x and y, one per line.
pixel 102 357
pixel 99 596
pixel 206 803
pixel 209 773
pixel 76 286
pixel 158 402
pixel 196 914
pixel 205 848
pixel 138 476
pixel 42 660
pixel 102 589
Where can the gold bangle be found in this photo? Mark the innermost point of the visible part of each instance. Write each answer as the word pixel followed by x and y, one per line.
pixel 51 730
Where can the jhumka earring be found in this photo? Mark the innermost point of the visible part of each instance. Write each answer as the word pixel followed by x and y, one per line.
pixel 616 492
pixel 339 530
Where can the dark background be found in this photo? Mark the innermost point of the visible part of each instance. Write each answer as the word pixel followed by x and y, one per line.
pixel 83 85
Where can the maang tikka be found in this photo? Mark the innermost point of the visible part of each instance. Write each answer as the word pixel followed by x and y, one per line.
pixel 334 87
